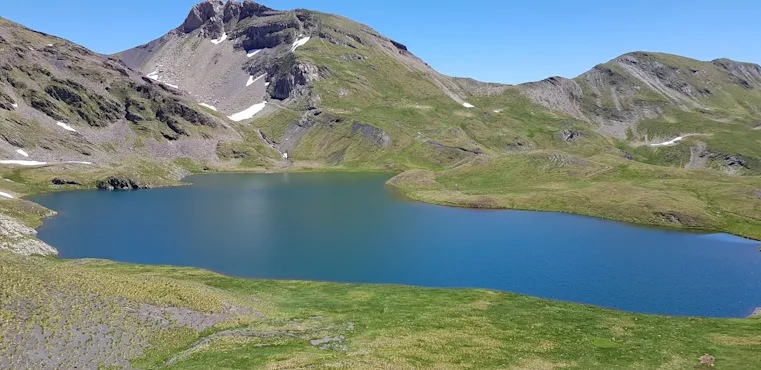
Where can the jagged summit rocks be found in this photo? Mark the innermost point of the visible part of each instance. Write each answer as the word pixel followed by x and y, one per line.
pixel 200 14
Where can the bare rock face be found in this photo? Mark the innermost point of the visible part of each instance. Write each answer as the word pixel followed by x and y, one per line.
pixel 200 14
pixel 744 74
pixel 557 93
pixel 371 134
pixel 285 83
pixel 19 238
pixel 246 9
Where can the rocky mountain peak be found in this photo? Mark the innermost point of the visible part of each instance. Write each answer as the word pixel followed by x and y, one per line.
pixel 218 11
pixel 202 13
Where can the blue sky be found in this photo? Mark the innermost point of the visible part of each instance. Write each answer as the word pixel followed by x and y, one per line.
pixel 490 40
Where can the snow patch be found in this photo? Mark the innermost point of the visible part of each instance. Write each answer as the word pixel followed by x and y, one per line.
pixel 23 163
pixel 36 163
pixel 14 105
pixel 50 44
pixel 77 162
pixel 468 105
pixel 251 80
pixel 248 113
pixel 300 42
pixel 155 76
pixel 220 39
pixel 251 53
pixel 266 84
pixel 22 152
pixel 66 127
pixel 6 195
pixel 208 106
pixel 668 143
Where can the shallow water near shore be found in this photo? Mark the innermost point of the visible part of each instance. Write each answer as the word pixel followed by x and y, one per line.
pixel 350 227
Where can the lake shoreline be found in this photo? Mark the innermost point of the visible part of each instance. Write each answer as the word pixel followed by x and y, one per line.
pixel 408 194
pixel 375 183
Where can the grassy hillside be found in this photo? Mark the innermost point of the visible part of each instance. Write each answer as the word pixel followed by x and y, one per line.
pixel 182 318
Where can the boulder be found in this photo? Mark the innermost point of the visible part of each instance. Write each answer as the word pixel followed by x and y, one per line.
pixel 707 361
pixel 570 135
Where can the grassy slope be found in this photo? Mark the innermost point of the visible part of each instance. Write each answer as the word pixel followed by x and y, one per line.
pixel 384 326
pixel 602 186
pixel 652 189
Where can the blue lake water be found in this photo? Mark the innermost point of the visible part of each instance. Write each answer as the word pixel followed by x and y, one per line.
pixel 352 228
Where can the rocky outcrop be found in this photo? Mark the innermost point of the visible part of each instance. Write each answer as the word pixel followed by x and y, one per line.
pixel 288 81
pixel 119 183
pixel 246 9
pixel 371 134
pixel 757 192
pixel 200 14
pixel 730 160
pixel 19 238
pixel 570 135
pixel 269 35
pixel 60 181
pixel 6 102
pixel 747 75
pixel 443 147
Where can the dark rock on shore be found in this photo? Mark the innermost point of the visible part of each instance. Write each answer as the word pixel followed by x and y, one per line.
pixel 60 181
pixel 116 183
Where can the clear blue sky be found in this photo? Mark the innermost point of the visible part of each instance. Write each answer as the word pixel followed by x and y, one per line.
pixel 490 40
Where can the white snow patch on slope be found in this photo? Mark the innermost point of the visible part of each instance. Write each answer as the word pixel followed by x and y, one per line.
pixel 670 142
pixel 220 39
pixel 248 113
pixel 14 105
pixel 208 106
pixel 23 163
pixel 251 53
pixel 251 80
pixel 266 84
pixel 300 42
pixel 77 162
pixel 468 105
pixel 6 195
pixel 66 127
pixel 155 76
pixel 22 152
pixel 36 163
